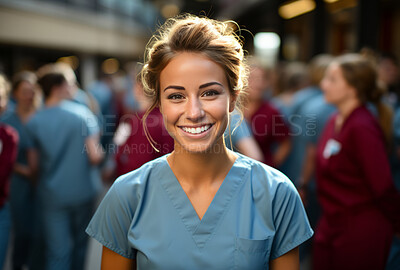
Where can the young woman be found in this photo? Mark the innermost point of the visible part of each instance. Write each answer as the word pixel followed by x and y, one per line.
pixel 359 202
pixel 202 206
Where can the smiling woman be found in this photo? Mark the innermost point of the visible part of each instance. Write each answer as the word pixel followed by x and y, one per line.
pixel 216 208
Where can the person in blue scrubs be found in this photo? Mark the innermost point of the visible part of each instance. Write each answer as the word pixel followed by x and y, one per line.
pixel 22 188
pixel 66 140
pixel 201 206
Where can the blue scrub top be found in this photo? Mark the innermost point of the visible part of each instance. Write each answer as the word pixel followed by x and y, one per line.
pixel 59 134
pixel 11 118
pixel 315 116
pixel 255 217
pixel 239 129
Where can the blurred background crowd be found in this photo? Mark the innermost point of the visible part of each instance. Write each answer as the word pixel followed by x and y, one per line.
pixel 97 47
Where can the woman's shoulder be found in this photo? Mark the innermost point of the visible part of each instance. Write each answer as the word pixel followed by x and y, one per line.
pixel 264 177
pixel 140 176
pixel 361 120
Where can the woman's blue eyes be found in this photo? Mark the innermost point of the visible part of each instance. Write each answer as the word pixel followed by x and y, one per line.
pixel 208 93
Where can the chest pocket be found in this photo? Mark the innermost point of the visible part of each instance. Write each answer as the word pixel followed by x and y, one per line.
pixel 252 254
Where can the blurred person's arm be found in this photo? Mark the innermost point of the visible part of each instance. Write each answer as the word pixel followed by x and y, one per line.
pixel 288 261
pixel 94 149
pixel 111 260
pixel 249 147
pixel 282 152
pixel 29 170
pixel 308 169
pixel 242 138
pixel 9 147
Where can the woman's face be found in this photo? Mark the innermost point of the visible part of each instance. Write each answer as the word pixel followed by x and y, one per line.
pixel 195 101
pixel 25 94
pixel 335 87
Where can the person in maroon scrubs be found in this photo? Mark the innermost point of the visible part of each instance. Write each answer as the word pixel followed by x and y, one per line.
pixel 8 155
pixel 361 208
pixel 133 143
pixel 267 124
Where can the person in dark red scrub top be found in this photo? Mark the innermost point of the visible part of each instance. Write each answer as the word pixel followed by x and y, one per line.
pixel 267 124
pixel 132 140
pixel 8 154
pixel 361 208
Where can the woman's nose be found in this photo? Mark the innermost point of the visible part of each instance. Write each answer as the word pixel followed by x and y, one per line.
pixel 194 109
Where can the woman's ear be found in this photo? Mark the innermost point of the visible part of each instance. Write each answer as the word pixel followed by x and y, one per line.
pixel 158 105
pixel 232 101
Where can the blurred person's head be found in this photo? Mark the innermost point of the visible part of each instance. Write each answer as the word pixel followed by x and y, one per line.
pixel 296 76
pixel 62 68
pixel 351 76
pixel 4 91
pixel 258 81
pixel 24 89
pixel 55 85
pixel 317 68
pixel 388 69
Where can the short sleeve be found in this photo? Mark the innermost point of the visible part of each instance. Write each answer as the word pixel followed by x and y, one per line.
pixel 111 222
pixel 239 129
pixel 90 123
pixel 290 219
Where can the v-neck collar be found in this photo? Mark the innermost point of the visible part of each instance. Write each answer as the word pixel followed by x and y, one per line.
pixel 202 230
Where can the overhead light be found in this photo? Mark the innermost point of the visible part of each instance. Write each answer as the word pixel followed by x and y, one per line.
pixel 110 66
pixel 295 8
pixel 266 41
pixel 266 45
pixel 330 1
pixel 72 61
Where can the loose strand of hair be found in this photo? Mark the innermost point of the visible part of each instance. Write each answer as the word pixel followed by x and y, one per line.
pixel 146 130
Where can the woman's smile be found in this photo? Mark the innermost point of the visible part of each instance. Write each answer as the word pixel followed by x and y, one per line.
pixel 196 130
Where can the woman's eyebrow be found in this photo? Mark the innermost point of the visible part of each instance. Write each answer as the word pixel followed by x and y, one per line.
pixel 174 87
pixel 177 87
pixel 209 84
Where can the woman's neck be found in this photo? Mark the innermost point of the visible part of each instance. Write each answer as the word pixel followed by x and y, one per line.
pixel 53 100
pixel 344 110
pixel 251 106
pixel 198 169
pixel 25 112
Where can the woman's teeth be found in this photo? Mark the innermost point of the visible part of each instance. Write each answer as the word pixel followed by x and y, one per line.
pixel 196 130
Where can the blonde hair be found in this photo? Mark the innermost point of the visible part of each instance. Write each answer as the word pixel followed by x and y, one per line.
pixel 4 92
pixel 361 73
pixel 188 33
